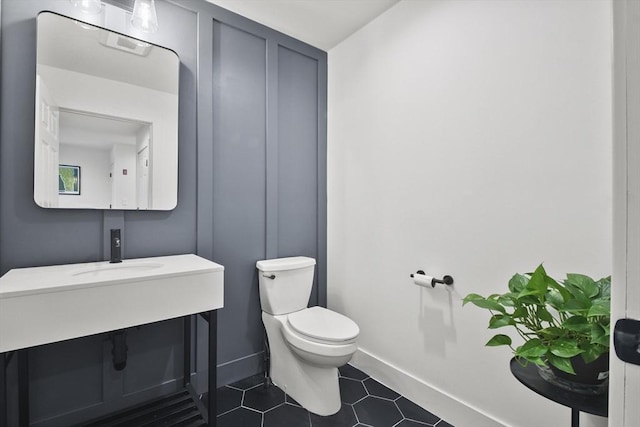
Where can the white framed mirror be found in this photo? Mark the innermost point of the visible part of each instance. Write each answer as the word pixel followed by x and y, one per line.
pixel 106 119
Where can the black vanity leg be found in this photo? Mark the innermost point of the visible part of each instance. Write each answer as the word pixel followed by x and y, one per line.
pixel 23 387
pixel 186 369
pixel 575 417
pixel 3 390
pixel 213 363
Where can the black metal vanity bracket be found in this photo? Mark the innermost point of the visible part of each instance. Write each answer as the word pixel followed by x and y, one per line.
pixel 7 358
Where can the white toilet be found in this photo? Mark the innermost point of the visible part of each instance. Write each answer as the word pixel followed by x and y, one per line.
pixel 307 344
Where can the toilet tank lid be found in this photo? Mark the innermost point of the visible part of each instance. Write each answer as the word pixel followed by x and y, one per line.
pixel 281 264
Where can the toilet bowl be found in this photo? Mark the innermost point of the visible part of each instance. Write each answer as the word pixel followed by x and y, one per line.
pixel 307 345
pixel 320 336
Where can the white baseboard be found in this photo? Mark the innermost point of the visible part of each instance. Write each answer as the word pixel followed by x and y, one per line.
pixel 435 401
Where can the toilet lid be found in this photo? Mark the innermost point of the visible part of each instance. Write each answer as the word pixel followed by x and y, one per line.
pixel 322 324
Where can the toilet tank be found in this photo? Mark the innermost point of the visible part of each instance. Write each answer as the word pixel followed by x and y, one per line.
pixel 285 284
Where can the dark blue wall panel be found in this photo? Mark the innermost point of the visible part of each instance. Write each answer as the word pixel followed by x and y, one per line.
pixel 297 156
pixel 239 123
pixel 252 185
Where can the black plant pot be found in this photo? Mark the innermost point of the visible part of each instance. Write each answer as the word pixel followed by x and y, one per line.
pixel 590 378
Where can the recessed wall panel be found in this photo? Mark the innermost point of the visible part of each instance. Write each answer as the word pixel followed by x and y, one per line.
pixel 239 224
pixel 297 155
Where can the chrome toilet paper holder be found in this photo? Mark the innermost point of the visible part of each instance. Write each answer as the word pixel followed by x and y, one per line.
pixel 446 279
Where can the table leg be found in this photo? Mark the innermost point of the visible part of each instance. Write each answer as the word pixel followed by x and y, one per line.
pixel 23 387
pixel 213 363
pixel 3 390
pixel 575 417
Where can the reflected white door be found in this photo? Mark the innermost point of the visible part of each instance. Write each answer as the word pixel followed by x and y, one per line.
pixel 114 191
pixel 142 184
pixel 46 153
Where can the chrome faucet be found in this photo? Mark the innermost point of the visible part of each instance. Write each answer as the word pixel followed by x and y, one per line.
pixel 116 246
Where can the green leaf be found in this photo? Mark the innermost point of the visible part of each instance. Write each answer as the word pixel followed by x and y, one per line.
pixel 550 333
pixel 538 361
pixel 498 340
pixel 566 348
pixel 555 299
pixel 597 331
pixel 529 300
pixel 577 323
pixel 508 299
pixel 481 302
pixel 533 348
pixel 605 287
pixel 591 353
pixel 577 306
pixel 557 287
pixel 519 313
pixel 600 309
pixel 584 283
pixel 531 293
pixel 471 297
pixel 600 335
pixel 537 282
pixel 518 283
pixel 499 321
pixel 561 363
pixel 544 315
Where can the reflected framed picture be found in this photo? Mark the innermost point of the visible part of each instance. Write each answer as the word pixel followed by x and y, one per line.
pixel 69 180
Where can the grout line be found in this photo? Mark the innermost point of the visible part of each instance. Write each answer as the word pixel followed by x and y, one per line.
pixel 439 422
pixel 233 387
pixel 230 410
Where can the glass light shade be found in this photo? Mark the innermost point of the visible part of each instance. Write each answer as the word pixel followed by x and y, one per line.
pixel 144 16
pixel 92 7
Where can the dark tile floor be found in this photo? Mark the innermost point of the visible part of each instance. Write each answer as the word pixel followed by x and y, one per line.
pixel 365 402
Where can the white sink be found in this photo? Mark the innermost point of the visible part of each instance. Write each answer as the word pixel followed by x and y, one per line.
pixel 115 270
pixel 41 305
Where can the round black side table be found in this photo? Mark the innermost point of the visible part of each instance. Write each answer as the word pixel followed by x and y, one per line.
pixel 591 404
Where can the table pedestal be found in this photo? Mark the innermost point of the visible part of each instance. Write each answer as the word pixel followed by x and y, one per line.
pixel 591 404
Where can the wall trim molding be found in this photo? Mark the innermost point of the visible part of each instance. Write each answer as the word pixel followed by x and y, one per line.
pixel 236 370
pixel 423 394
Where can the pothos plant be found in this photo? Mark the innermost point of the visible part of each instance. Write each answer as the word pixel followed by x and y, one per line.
pixel 556 320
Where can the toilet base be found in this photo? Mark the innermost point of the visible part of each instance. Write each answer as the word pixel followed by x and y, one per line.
pixel 315 388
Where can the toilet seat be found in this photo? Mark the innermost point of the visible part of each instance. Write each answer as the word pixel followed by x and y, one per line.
pixel 323 326
pixel 321 332
pixel 313 349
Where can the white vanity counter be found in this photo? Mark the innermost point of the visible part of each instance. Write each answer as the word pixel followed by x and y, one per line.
pixel 41 305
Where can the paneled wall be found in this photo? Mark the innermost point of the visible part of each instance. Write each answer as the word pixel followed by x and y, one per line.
pixel 265 172
pixel 252 174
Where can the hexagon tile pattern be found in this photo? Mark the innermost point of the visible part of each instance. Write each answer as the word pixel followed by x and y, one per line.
pixel 365 403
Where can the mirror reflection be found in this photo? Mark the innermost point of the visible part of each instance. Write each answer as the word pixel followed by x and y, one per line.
pixel 106 124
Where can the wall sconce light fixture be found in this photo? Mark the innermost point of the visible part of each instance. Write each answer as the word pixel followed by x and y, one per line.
pixel 144 16
pixel 91 7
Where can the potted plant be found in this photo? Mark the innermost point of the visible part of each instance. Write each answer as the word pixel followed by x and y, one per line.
pixel 565 325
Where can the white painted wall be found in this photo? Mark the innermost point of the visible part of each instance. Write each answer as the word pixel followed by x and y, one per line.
pixel 95 188
pixel 470 138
